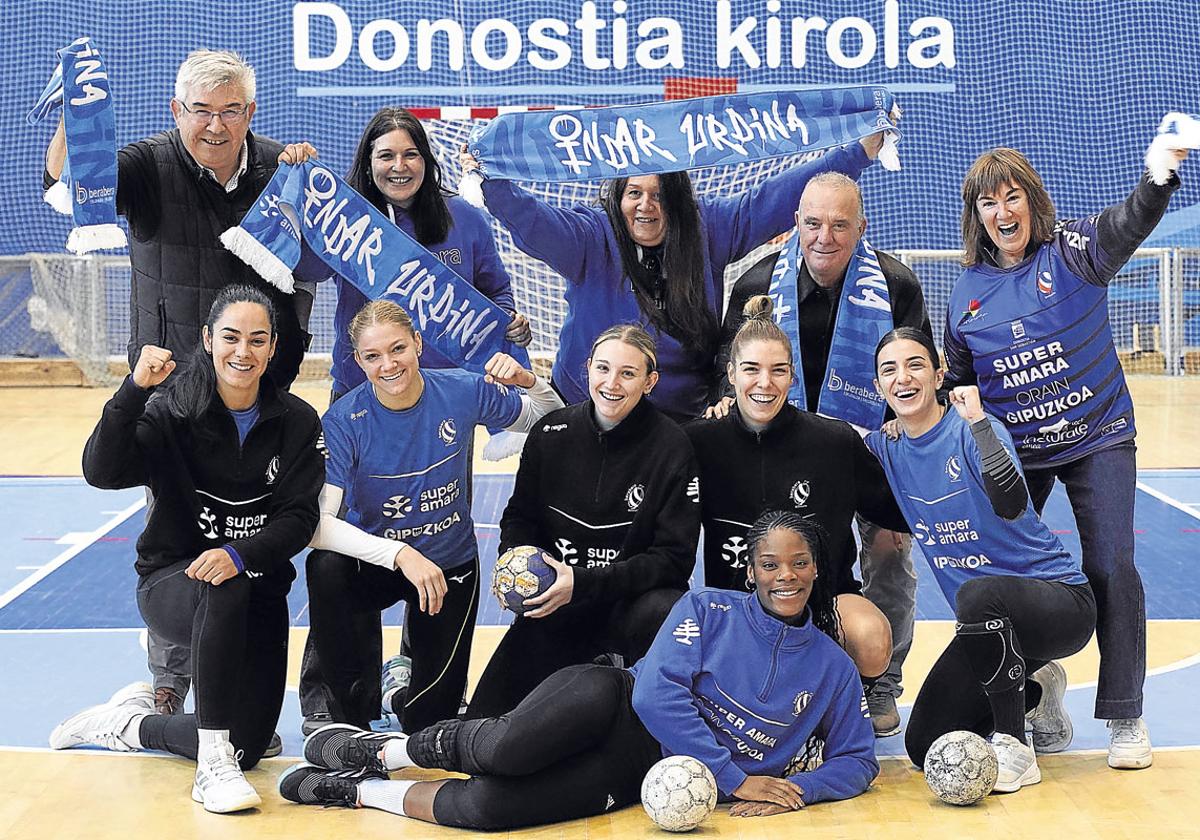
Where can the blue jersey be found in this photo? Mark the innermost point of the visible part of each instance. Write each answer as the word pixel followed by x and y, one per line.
pixel 468 250
pixel 731 685
pixel 404 473
pixel 938 482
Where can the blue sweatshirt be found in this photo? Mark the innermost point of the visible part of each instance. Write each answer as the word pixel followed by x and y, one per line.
pixel 1036 336
pixel 736 688
pixel 404 473
pixel 469 251
pixel 578 242
pixel 938 482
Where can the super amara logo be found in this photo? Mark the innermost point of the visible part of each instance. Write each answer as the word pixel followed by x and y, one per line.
pixel 601 37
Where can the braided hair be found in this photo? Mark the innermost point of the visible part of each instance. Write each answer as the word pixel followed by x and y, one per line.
pixel 820 599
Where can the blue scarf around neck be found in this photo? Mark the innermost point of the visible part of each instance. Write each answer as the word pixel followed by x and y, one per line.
pixel 864 316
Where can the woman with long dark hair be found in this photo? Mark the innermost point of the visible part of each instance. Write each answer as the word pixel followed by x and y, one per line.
pixel 395 169
pixel 581 743
pixel 654 254
pixel 1020 599
pixel 235 470
pixel 1027 322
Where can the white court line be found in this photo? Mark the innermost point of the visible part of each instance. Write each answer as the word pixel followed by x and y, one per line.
pixel 1167 500
pixel 14 593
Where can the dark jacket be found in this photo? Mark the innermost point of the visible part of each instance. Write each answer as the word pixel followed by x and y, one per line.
pixel 801 462
pixel 818 308
pixel 259 497
pixel 176 213
pixel 620 506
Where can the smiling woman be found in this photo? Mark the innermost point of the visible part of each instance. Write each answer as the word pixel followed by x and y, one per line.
pixel 1027 321
pixel 582 741
pixel 622 522
pixel 765 454
pixel 395 169
pixel 222 447
pixel 396 520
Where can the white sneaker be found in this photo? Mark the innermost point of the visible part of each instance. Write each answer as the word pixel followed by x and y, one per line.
pixel 1017 764
pixel 1129 744
pixel 220 785
pixel 1052 728
pixel 102 725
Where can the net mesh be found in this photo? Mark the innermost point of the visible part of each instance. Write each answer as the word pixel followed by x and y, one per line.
pixel 1079 87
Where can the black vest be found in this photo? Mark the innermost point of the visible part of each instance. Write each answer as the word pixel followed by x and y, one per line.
pixel 176 213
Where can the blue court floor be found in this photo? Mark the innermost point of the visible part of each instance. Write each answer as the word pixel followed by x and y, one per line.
pixel 69 625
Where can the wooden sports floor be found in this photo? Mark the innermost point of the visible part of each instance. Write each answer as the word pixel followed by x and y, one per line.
pixel 62 542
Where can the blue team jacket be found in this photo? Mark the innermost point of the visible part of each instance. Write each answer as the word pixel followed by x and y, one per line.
pixel 734 687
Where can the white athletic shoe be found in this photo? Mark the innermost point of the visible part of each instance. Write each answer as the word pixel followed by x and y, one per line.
pixel 1018 764
pixel 102 725
pixel 1129 744
pixel 220 785
pixel 1052 728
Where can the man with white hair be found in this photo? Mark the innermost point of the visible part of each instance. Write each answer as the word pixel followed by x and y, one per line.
pixel 830 223
pixel 179 190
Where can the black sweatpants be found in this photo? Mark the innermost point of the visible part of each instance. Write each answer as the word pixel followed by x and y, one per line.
pixel 573 748
pixel 341 590
pixel 1049 620
pixel 534 648
pixel 238 635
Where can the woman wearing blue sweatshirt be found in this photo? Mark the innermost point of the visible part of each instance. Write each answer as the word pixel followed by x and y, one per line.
pixel 751 684
pixel 654 253
pixel 1020 599
pixel 395 169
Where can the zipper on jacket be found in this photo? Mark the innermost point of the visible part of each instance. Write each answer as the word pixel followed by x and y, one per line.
pixel 600 473
pixel 770 681
pixel 762 469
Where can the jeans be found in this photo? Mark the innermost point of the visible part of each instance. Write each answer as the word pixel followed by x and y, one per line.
pixel 1100 487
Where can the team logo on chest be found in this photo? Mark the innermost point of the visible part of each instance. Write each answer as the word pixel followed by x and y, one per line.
pixel 1045 284
pixel 733 551
pixel 800 493
pixel 273 470
pixel 207 523
pixel 801 702
pixel 566 551
pixel 447 432
pixel 397 507
pixel 953 468
pixel 634 496
pixel 921 533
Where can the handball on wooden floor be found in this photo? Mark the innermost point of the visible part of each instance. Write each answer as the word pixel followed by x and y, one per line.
pixel 961 768
pixel 678 793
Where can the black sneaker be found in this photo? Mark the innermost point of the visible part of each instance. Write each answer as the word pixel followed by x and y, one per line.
pixel 339 746
pixel 314 722
pixel 274 746
pixel 309 785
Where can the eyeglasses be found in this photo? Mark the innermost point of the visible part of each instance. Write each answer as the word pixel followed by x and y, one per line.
pixel 230 116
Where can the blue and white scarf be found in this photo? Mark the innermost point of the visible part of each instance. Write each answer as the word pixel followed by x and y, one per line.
pixel 594 143
pixel 864 316
pixel 87 188
pixel 379 259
